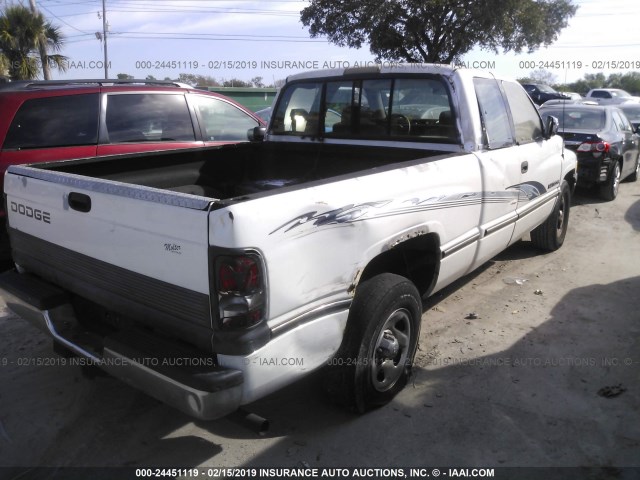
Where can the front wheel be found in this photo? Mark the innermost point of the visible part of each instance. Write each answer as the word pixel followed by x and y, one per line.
pixel 550 235
pixel 609 190
pixel 380 342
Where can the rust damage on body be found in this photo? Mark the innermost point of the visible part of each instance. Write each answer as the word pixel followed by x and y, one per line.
pixel 390 245
pixel 394 242
pixel 356 279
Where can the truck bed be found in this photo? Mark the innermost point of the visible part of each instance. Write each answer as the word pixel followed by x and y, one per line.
pixel 237 171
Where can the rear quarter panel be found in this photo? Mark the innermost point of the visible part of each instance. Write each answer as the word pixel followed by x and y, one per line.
pixel 317 241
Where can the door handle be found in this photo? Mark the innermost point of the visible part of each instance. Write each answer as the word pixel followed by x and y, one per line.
pixel 80 202
pixel 524 167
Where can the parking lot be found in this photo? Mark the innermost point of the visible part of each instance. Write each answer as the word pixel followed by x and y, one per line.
pixel 533 360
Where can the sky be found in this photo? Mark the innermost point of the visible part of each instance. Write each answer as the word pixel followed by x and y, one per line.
pixel 245 39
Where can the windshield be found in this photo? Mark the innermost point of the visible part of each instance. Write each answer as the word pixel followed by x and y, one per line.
pixel 578 119
pixel 620 93
pixel 546 89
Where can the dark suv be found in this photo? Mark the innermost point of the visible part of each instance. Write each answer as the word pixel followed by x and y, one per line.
pixel 61 120
pixel 540 93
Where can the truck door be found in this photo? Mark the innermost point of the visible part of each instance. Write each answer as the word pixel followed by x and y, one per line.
pixel 539 160
pixel 500 170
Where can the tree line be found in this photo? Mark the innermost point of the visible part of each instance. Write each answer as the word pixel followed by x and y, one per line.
pixel 439 31
pixel 628 81
pixel 207 81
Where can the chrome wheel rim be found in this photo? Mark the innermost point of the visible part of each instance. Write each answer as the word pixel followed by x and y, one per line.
pixel 561 213
pixel 391 350
pixel 616 178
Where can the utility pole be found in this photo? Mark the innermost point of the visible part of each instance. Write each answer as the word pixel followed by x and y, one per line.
pixel 104 38
pixel 42 48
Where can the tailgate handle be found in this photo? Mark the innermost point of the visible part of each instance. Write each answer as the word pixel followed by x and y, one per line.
pixel 80 202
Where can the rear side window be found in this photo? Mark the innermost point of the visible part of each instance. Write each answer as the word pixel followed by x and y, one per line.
pixel 221 121
pixel 493 112
pixel 148 118
pixel 621 121
pixel 526 120
pixel 66 121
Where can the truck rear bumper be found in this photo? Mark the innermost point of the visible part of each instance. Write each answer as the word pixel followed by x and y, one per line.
pixel 194 384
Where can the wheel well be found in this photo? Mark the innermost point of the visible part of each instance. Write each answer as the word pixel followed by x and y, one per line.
pixel 417 259
pixel 571 180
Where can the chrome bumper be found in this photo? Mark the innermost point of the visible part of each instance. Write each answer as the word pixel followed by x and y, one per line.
pixel 206 394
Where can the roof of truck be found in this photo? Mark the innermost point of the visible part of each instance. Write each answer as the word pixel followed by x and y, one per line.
pixel 385 68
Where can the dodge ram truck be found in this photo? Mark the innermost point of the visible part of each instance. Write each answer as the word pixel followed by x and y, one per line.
pixel 210 278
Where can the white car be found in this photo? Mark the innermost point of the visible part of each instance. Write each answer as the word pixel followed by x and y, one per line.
pixel 611 96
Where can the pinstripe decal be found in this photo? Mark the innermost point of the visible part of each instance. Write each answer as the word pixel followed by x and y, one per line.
pixel 385 208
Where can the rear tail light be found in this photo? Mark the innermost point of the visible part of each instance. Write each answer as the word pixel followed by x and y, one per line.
pixel 240 285
pixel 596 147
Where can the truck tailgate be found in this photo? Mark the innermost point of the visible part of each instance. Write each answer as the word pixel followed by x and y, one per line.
pixel 97 235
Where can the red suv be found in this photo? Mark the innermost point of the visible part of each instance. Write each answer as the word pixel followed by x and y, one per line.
pixel 61 120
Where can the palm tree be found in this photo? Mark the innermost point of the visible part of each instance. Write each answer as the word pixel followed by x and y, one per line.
pixel 22 32
pixel 4 64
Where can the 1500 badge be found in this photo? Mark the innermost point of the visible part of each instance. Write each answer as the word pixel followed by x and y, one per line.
pixel 31 212
pixel 173 248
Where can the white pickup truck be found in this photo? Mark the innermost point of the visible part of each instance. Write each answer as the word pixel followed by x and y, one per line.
pixel 211 278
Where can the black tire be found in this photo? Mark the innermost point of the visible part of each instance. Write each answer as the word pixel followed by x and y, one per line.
pixel 550 235
pixel 634 176
pixel 609 189
pixel 376 355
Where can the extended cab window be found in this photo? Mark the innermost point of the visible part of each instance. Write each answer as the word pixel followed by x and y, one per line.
pixel 148 118
pixel 494 114
pixel 221 121
pixel 71 120
pixel 527 122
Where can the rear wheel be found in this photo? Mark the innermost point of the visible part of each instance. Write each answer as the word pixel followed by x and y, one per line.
pixel 380 342
pixel 550 235
pixel 609 190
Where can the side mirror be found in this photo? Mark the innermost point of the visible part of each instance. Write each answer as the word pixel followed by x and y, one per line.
pixel 256 134
pixel 551 126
